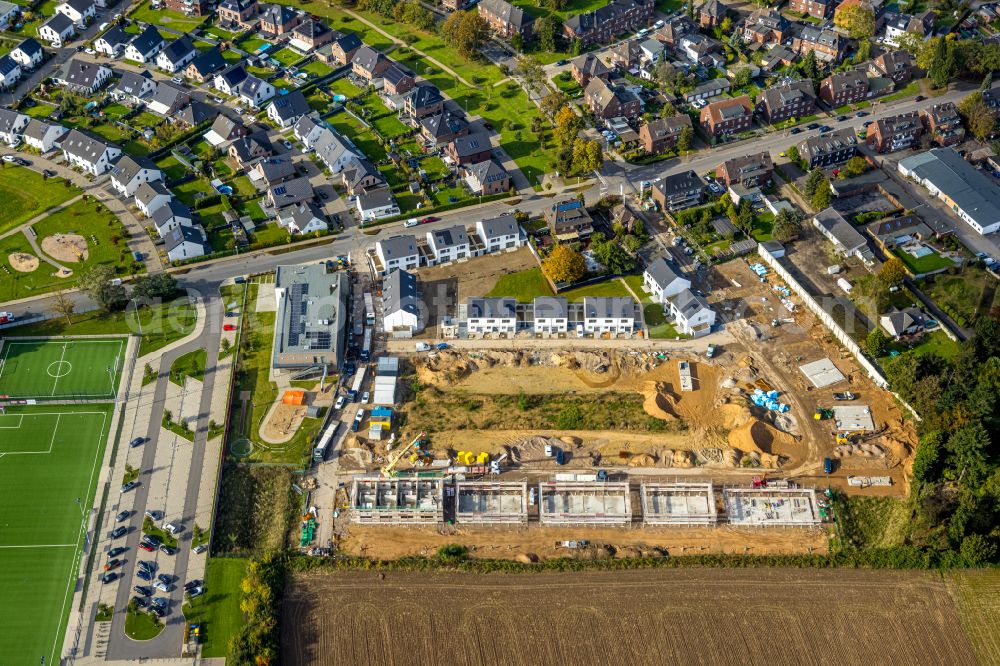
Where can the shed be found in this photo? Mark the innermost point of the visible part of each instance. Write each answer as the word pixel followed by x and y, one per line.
pixel 388 366
pixel 385 390
pixel 822 373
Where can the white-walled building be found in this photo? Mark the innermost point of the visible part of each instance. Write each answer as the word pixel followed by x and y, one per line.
pixel 376 205
pixel 499 233
pixel 12 126
pixel 401 304
pixel 129 173
pixel 149 197
pixel 491 315
pixel 551 314
pixel 449 244
pixel 43 136
pixel 89 153
pixel 661 281
pixel 691 313
pixel 28 54
pixel 77 11
pixel 57 30
pixel 397 252
pixel 615 315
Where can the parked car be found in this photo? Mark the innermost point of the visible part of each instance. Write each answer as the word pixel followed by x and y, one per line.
pixel 144 590
pixel 199 549
pixel 141 602
pixel 162 587
pixel 812 126
pixel 116 551
pixel 340 402
pixel 109 577
pixel 860 114
pixel 229 327
pixel 364 398
pixel 196 591
pixel 919 98
pixel 9 158
pixel 845 395
pixel 113 564
pixel 287 144
pixel 178 80
pixel 191 584
pixel 119 531
pixel 137 442
pixel 131 485
pixel 122 515
pixel 429 219
pixel 412 222
pixel 146 546
pixel 794 130
pixel 167 550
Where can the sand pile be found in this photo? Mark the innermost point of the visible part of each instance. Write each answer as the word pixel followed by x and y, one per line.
pixel 763 444
pixel 859 450
pixel 23 262
pixel 642 460
pixel 533 448
pixel 659 402
pixel 66 247
pixel 682 459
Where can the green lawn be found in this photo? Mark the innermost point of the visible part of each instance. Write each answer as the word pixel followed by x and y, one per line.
pixel 527 284
pixel 252 44
pixel 218 610
pixel 960 295
pixel 359 134
pixel 571 8
pixel 285 56
pixel 567 84
pixel 103 232
pixel 927 264
pixel 188 192
pixel 191 364
pixel 161 323
pixel 219 33
pixel 390 127
pixel 61 449
pixel 172 169
pixel 658 325
pixel 25 193
pixel 141 625
pixel 343 86
pixel 167 18
pixel 316 68
pixel 40 110
pixel 763 226
pixel 51 369
pixel 912 88
pixel 252 376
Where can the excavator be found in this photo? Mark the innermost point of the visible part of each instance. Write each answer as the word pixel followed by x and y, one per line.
pixel 389 469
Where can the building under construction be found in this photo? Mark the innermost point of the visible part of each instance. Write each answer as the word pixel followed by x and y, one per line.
pixel 678 503
pixel 491 502
pixel 771 506
pixel 584 503
pixel 397 501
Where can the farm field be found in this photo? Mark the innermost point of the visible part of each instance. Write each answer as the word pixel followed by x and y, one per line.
pixel 50 460
pixel 51 369
pixel 665 616
pixel 976 592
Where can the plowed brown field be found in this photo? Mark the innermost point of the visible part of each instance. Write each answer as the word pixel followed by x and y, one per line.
pixel 665 616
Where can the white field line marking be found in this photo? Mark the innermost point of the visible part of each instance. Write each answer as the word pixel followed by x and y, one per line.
pixel 56 382
pixel 7 346
pixel 74 564
pixel 42 545
pixel 4 417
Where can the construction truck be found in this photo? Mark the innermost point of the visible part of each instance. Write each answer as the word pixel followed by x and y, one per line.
pixel 822 414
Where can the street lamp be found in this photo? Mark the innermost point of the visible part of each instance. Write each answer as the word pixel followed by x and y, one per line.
pixel 137 320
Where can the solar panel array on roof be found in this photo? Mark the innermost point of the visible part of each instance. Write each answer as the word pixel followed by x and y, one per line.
pixel 319 339
pixel 295 292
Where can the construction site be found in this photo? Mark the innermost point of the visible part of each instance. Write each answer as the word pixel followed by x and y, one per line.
pixel 590 443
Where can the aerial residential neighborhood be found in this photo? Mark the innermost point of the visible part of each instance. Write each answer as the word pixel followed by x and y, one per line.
pixel 552 332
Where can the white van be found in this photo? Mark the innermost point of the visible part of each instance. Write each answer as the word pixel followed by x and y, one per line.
pixel 412 222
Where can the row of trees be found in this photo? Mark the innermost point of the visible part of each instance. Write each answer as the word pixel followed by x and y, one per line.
pixel 257 642
pixel 955 499
pixel 110 294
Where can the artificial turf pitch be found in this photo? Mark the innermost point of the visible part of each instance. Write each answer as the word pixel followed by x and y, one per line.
pixel 50 455
pixel 52 369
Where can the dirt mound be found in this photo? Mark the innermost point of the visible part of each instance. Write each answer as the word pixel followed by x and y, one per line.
pixel 732 416
pixel 682 459
pixel 642 460
pixel 659 403
pixel 66 247
pixel 22 262
pixel 526 558
pixel 759 437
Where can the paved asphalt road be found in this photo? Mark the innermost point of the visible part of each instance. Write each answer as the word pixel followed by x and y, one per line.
pixel 167 644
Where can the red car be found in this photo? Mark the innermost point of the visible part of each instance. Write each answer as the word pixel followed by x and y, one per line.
pixel 229 327
pixel 145 546
pixel 429 219
pixel 112 564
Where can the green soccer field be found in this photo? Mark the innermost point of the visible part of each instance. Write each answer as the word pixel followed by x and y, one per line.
pixel 49 457
pixel 49 369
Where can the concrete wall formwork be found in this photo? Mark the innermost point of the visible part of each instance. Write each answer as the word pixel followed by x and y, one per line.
pixel 397 501
pixel 491 502
pixel 771 507
pixel 584 503
pixel 678 503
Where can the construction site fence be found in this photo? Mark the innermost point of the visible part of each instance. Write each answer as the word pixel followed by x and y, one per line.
pixel 831 324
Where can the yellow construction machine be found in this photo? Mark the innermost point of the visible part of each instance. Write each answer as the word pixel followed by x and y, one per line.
pixel 389 469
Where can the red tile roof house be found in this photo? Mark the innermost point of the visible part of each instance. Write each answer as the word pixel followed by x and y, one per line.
pixel 943 123
pixel 791 100
pixel 748 171
pixel 506 20
pixel 895 132
pixel 607 102
pixel 727 116
pixel 844 88
pixel 589 66
pixel 661 134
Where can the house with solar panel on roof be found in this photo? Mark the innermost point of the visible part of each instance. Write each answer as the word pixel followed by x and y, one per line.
pixel 310 318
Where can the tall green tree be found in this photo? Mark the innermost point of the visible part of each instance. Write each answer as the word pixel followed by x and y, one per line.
pixel 100 283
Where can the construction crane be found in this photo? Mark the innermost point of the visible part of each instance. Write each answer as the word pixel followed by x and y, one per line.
pixel 389 469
